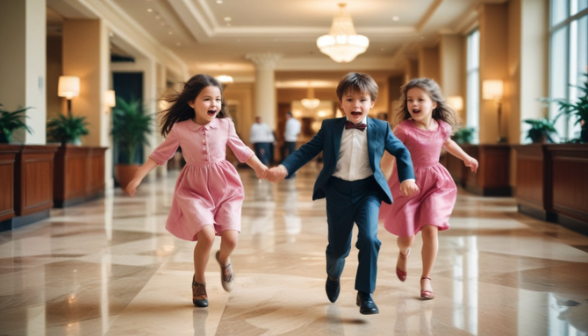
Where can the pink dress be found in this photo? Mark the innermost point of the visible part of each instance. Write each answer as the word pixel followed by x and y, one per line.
pixel 433 205
pixel 208 190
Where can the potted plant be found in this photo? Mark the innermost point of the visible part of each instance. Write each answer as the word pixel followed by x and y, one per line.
pixel 541 130
pixel 10 122
pixel 578 109
pixel 129 131
pixel 67 129
pixel 464 135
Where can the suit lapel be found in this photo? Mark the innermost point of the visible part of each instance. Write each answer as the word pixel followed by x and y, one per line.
pixel 337 135
pixel 371 135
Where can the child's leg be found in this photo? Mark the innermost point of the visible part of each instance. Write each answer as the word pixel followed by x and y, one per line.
pixel 404 244
pixel 429 253
pixel 202 252
pixel 229 240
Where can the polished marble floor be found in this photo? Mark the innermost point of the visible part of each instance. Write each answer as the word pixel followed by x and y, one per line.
pixel 108 267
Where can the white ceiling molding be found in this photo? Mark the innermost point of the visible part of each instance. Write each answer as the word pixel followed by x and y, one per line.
pixel 428 15
pixel 304 84
pixel 126 28
pixel 326 64
pixel 193 19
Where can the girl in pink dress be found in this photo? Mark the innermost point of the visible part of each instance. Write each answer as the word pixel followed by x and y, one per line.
pixel 208 194
pixel 424 124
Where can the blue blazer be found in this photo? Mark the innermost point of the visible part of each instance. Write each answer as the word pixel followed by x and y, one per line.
pixel 328 140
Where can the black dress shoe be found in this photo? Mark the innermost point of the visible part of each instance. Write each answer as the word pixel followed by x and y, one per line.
pixel 366 304
pixel 332 287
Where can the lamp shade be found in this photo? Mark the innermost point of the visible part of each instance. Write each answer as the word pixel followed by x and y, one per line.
pixel 68 87
pixel 110 98
pixel 456 102
pixel 492 89
pixel 342 44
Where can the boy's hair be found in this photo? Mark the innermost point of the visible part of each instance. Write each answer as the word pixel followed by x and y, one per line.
pixel 442 112
pixel 357 82
pixel 180 110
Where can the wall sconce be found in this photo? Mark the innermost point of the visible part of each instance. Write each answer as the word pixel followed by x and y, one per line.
pixel 68 87
pixel 110 100
pixel 455 102
pixel 493 89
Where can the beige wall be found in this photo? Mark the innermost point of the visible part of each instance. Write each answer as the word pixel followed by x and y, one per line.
pixel 452 66
pixel 493 65
pixel 429 63
pixel 241 95
pixel 55 104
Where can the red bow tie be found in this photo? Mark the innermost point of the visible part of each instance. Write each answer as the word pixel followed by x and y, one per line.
pixel 359 126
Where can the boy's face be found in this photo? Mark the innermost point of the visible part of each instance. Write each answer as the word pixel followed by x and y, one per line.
pixel 356 105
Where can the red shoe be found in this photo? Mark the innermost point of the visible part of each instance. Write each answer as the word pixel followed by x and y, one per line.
pixel 427 294
pixel 401 274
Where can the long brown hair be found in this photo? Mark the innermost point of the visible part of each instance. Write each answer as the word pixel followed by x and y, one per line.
pixel 180 110
pixel 442 112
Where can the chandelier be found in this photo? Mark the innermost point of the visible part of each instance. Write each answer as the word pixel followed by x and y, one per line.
pixel 224 79
pixel 310 103
pixel 342 44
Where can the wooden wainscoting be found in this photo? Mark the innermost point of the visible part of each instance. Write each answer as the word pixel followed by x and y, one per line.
pixel 7 162
pixel 79 175
pixel 532 187
pixel 492 177
pixel 568 170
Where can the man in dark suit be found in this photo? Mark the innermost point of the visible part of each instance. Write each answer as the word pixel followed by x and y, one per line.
pixel 352 182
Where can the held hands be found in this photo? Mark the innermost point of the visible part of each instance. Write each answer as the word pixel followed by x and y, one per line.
pixel 472 163
pixel 276 174
pixel 261 172
pixel 408 188
pixel 132 186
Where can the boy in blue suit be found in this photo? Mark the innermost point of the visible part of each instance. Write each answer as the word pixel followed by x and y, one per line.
pixel 352 182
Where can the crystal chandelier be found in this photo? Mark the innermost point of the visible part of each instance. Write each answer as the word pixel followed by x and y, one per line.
pixel 342 44
pixel 310 103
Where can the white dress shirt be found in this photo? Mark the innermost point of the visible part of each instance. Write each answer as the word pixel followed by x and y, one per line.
pixel 292 130
pixel 353 163
pixel 261 132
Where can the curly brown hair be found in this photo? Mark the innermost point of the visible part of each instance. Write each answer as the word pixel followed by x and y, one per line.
pixel 357 82
pixel 442 112
pixel 180 110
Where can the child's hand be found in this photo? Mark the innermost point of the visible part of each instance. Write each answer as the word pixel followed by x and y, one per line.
pixel 472 163
pixel 261 172
pixel 277 174
pixel 132 187
pixel 408 187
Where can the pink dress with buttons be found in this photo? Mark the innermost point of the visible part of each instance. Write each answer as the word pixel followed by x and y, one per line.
pixel 208 190
pixel 433 205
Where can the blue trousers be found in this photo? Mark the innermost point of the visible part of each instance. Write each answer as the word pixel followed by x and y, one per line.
pixel 262 150
pixel 347 203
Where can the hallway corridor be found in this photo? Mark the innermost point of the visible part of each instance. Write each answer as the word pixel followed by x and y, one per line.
pixel 109 267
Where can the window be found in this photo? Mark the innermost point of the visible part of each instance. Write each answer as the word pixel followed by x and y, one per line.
pixel 568 58
pixel 473 89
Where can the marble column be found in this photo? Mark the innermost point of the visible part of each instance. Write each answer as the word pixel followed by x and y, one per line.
pixel 265 91
pixel 23 65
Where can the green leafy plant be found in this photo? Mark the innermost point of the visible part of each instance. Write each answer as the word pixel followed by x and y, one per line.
pixel 130 127
pixel 464 135
pixel 577 109
pixel 541 130
pixel 66 129
pixel 11 121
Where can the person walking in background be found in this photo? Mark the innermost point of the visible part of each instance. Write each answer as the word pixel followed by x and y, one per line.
pixel 208 195
pixel 291 133
pixel 261 136
pixel 424 124
pixel 352 182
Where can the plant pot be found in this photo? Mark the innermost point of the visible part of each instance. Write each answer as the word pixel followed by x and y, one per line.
pixel 124 173
pixel 584 133
pixel 5 138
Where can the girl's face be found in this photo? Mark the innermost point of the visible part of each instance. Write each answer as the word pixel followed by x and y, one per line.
pixel 206 105
pixel 420 105
pixel 356 105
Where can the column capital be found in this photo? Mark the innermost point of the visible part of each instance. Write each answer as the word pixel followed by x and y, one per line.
pixel 264 60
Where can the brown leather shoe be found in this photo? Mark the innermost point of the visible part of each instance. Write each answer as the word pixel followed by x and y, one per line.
pixel 228 282
pixel 199 296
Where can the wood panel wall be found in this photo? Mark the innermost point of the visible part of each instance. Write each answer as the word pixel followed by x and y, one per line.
pixel 7 162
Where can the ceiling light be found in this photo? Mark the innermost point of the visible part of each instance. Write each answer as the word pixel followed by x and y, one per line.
pixel 342 44
pixel 149 10
pixel 310 103
pixel 219 1
pixel 395 18
pixel 227 18
pixel 224 79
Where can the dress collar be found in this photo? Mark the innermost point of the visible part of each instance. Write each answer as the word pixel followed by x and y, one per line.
pixel 195 127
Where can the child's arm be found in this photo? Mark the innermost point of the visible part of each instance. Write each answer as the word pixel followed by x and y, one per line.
pixel 260 168
pixel 454 149
pixel 140 175
pixel 401 154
